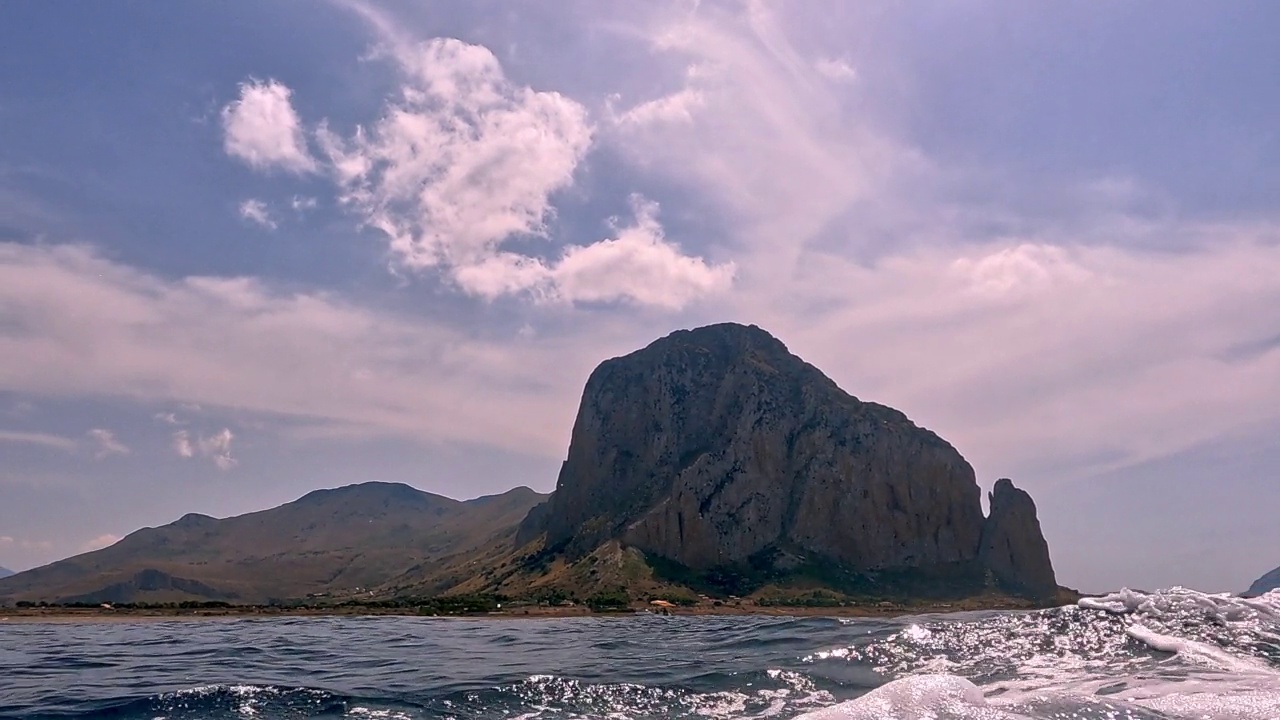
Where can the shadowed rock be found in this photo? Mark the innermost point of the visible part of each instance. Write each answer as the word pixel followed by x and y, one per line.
pixel 1013 547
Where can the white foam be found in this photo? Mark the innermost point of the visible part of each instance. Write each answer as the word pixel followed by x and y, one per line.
pixel 1222 607
pixel 920 697
pixel 1196 652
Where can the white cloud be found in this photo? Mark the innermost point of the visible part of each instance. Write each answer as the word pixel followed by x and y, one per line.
pixel 1025 267
pixel 52 441
pixel 638 266
pixel 256 212
pixel 106 443
pixel 218 448
pixel 677 107
pixel 181 444
pixel 100 542
pixel 263 130
pixel 169 418
pixel 301 203
pixel 771 146
pixel 463 160
pixel 1031 356
pixel 835 69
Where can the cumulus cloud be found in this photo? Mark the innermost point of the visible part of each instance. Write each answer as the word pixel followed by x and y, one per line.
pixel 639 265
pixel 465 161
pixel 256 212
pixel 106 444
pixel 169 418
pixel 262 129
pixel 100 542
pixel 302 203
pixel 44 439
pixel 462 160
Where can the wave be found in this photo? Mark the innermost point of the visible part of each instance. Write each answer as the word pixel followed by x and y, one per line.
pixel 1177 653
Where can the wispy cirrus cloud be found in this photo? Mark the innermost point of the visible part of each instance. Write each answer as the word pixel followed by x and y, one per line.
pixel 106 444
pixel 57 442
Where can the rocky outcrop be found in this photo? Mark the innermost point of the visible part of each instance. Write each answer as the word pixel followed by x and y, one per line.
pixel 1013 548
pixel 1264 584
pixel 717 447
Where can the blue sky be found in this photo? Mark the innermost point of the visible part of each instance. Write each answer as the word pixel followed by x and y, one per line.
pixel 248 250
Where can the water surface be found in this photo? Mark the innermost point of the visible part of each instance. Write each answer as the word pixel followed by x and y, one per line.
pixel 1174 654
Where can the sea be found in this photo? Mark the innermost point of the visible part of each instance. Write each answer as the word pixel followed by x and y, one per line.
pixel 1170 654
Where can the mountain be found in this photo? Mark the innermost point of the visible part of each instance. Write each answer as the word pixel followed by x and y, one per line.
pixel 1266 583
pixel 729 463
pixel 5 572
pixel 339 542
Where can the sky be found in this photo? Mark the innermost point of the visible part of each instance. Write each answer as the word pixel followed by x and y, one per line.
pixel 248 250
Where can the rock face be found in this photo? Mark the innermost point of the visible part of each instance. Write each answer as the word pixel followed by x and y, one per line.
pixel 717 447
pixel 1264 584
pixel 1013 548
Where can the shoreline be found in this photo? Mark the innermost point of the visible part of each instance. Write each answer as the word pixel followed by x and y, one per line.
pixel 112 615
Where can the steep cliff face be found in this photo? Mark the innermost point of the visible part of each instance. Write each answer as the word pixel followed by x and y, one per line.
pixel 717 446
pixel 1013 547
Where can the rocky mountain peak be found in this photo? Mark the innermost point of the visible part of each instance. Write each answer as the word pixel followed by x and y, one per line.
pixel 717 447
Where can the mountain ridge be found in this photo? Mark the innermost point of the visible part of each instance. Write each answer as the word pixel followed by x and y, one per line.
pixel 332 542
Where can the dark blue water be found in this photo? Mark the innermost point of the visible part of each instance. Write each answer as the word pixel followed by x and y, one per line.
pixel 1193 658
